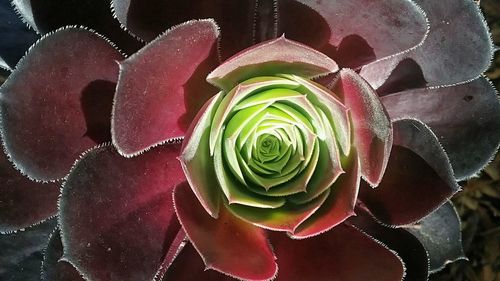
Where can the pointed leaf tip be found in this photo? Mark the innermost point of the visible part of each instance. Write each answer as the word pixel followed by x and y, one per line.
pixel 278 56
pixel 371 124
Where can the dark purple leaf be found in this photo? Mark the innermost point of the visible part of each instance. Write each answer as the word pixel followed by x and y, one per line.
pixel 116 214
pixel 411 251
pixel 48 15
pixel 418 178
pixel 465 118
pixel 45 109
pixel 458 47
pixel 23 202
pixel 22 252
pixel 343 253
pixel 440 234
pixel 162 87
pixel 53 268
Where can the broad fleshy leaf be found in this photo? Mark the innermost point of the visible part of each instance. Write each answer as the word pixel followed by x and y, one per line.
pixel 465 118
pixel 440 234
pixel 22 252
pixel 343 253
pixel 372 126
pixel 48 15
pixel 226 244
pixel 242 22
pixel 23 202
pixel 354 32
pixel 116 214
pixel 418 178
pixel 53 268
pixel 409 248
pixel 278 56
pixel 338 206
pixel 57 102
pixel 16 36
pixel 154 106
pixel 458 47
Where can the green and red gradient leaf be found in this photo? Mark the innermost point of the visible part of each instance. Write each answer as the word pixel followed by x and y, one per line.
pixel 371 124
pixel 278 56
pixel 23 202
pixel 418 178
pixel 226 244
pixel 57 102
pixel 48 15
pixel 458 47
pixel 53 268
pixel 338 206
pixel 354 32
pixel 465 118
pixel 162 87
pixel 116 214
pixel 341 254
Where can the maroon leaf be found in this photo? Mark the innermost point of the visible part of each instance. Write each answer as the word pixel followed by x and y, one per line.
pixel 342 253
pixel 148 19
pixel 338 206
pixel 466 119
pixel 116 214
pixel 372 127
pixel 23 202
pixel 418 178
pixel 458 47
pixel 412 252
pixel 226 244
pixel 162 87
pixel 279 56
pixel 48 15
pixel 189 266
pixel 53 268
pixel 44 113
pixel 387 27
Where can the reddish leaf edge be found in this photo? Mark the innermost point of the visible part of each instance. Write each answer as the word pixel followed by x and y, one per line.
pixel 207 265
pixel 177 139
pixel 383 245
pixel 5 144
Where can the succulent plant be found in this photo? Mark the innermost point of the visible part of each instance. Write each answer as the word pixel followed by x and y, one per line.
pixel 251 140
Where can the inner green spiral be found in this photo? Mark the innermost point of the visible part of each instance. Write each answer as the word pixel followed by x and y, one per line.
pixel 269 137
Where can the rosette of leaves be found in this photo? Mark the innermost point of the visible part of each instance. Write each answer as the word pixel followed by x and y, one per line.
pixel 213 148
